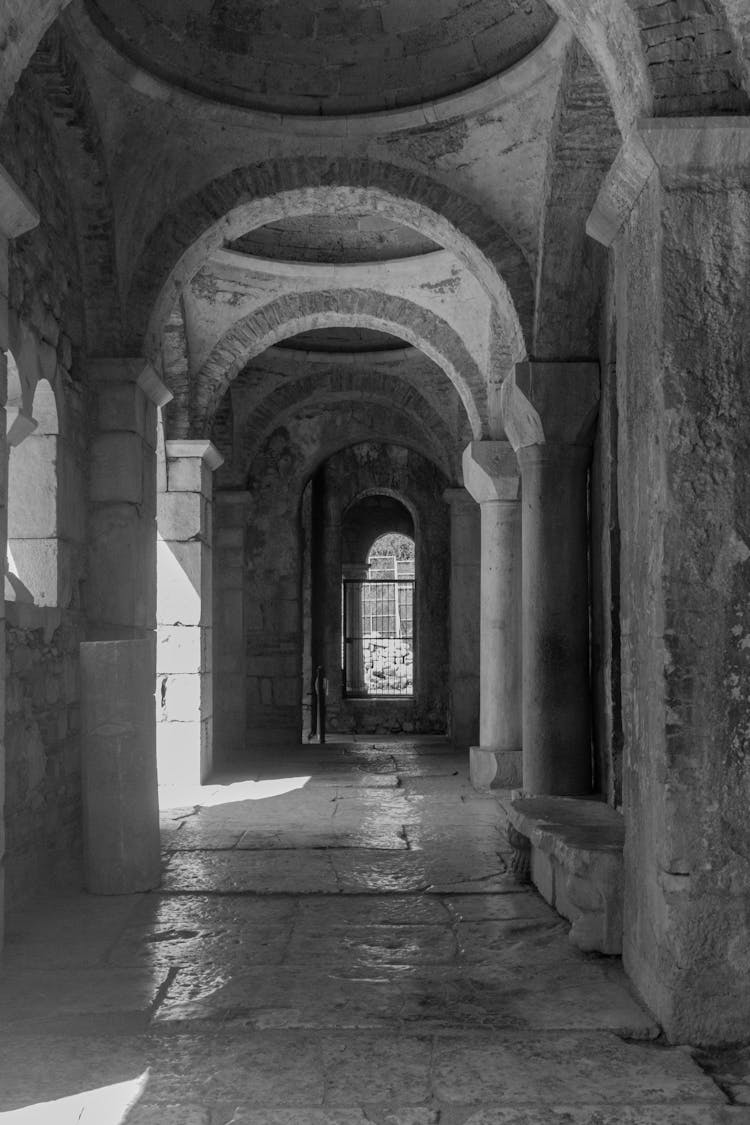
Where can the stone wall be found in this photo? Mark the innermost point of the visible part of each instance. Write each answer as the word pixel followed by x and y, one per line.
pixel 369 468
pixel 43 797
pixel 43 801
pixel 685 468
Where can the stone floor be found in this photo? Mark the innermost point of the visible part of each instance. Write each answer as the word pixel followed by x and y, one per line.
pixel 336 942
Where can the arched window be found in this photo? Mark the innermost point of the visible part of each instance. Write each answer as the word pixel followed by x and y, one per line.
pixel 379 621
pixel 32 557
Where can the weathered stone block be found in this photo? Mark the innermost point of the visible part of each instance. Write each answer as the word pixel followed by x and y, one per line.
pixel 117 461
pixel 179 699
pixel 122 567
pixel 35 562
pixel 577 864
pixel 180 649
pixel 32 488
pixel 494 769
pixel 182 516
pixel 121 813
pixel 185 583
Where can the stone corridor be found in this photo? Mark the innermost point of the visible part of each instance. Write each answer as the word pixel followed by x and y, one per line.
pixel 336 941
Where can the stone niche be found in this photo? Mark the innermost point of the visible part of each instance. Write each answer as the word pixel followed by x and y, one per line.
pixel 358 495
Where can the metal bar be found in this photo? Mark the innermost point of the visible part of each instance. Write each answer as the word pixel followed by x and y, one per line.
pixel 381 649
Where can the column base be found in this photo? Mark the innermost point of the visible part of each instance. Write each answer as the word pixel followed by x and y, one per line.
pixel 494 769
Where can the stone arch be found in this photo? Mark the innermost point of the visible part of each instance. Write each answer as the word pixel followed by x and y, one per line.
pixel 66 93
pixel 363 423
pixel 393 493
pixel 302 312
pixel 253 196
pixel 438 444
pixel 584 142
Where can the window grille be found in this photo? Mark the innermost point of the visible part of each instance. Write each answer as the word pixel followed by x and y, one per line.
pixel 379 636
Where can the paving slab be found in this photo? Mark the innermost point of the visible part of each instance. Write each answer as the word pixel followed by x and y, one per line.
pixel 337 941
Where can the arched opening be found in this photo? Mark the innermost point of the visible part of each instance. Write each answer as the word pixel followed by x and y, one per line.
pixel 32 572
pixel 375 551
pixel 377 603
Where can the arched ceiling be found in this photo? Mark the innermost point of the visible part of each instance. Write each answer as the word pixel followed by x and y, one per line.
pixel 344 238
pixel 328 57
pixel 336 340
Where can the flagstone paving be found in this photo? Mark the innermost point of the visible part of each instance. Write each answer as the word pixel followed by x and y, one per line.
pixel 336 941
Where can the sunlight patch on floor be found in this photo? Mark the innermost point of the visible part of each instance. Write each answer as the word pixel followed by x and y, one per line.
pixel 211 796
pixel 108 1105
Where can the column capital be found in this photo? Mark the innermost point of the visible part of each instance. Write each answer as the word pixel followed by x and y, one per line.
pixel 137 370
pixel 490 471
pixel 17 213
pixel 199 448
pixel 683 152
pixel 555 402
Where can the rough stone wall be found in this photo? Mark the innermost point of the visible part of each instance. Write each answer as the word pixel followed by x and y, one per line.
pixel 369 467
pixel 685 497
pixel 42 737
pixel 43 758
pixel 45 283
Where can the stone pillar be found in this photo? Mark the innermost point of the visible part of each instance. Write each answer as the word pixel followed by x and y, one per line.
pixel 675 210
pixel 355 657
pixel 230 642
pixel 491 477
pixel 465 577
pixel 184 554
pixel 549 411
pixel 121 844
pixel 556 706
pixel 121 585
pixel 17 215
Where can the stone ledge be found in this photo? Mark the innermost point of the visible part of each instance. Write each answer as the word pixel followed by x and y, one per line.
pixel 576 864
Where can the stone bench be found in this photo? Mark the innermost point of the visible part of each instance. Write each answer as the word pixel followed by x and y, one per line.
pixel 575 863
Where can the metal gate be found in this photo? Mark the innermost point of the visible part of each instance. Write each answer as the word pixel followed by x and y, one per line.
pixel 378 636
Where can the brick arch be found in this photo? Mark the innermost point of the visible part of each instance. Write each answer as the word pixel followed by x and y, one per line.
pixel 362 308
pixel 66 93
pixel 373 388
pixel 250 197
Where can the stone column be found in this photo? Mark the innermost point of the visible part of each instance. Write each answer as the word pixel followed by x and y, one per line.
pixel 17 216
pixel 121 585
pixel 549 411
pixel 491 477
pixel 230 641
pixel 556 706
pixel 466 546
pixel 355 657
pixel 185 613
pixel 675 210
